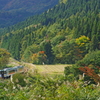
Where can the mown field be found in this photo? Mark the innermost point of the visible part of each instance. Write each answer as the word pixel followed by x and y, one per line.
pixel 51 69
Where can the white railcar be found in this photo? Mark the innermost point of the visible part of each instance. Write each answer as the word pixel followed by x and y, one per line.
pixel 7 72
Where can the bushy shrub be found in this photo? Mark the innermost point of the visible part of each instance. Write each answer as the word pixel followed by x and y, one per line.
pixel 72 72
pixel 90 66
pixel 90 74
pixel 92 58
pixel 48 87
pixel 56 40
pixel 18 79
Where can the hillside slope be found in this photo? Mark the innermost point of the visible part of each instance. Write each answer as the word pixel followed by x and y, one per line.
pixel 63 34
pixel 13 11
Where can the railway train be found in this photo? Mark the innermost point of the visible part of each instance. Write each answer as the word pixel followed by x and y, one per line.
pixel 7 72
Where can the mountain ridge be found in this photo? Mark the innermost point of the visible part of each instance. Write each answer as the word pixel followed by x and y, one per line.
pixel 13 11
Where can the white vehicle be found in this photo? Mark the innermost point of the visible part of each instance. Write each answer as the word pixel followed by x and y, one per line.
pixel 7 72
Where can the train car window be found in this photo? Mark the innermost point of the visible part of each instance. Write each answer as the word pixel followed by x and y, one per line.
pixel 20 69
pixel 12 71
pixel 5 72
pixel 2 72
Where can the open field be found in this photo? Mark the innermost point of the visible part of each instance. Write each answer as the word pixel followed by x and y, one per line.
pixel 51 69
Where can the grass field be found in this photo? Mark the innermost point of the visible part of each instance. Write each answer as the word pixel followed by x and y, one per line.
pixel 51 69
pixel 46 69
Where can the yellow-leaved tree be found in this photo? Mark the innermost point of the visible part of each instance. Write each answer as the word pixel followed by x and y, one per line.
pixel 82 45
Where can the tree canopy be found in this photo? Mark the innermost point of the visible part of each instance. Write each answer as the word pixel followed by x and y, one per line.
pixel 4 57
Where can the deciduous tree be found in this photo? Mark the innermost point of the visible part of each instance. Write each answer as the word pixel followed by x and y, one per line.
pixel 4 57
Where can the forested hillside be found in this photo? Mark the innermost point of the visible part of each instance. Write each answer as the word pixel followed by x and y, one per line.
pixel 66 35
pixel 13 11
pixel 63 34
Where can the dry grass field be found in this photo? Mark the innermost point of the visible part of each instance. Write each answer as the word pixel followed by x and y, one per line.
pixel 51 69
pixel 45 69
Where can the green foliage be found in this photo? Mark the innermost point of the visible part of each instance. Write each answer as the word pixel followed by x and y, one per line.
pixel 4 57
pixel 57 39
pixel 92 58
pixel 29 51
pixel 94 43
pixel 19 80
pixel 62 1
pixel 39 58
pixel 73 92
pixel 90 73
pixel 72 73
pixel 92 66
pixel 65 34
pixel 47 88
pixel 82 45
pixel 47 48
pixel 65 52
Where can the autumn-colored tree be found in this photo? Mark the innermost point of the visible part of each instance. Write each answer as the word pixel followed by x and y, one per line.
pixel 4 57
pixel 42 57
pixel 81 41
pixel 91 73
pixel 83 45
pixel 39 58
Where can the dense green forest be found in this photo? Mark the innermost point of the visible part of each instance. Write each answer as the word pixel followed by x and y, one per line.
pixel 63 34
